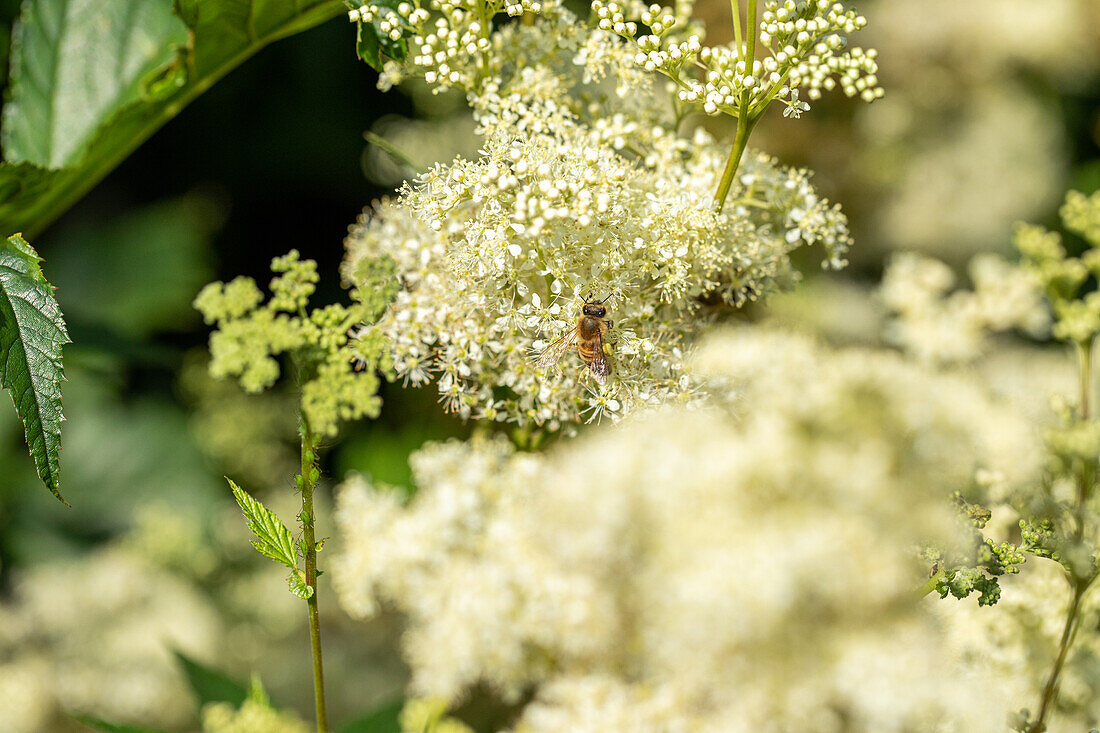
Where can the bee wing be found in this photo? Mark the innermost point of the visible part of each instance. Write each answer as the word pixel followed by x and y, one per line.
pixel 599 366
pixel 553 353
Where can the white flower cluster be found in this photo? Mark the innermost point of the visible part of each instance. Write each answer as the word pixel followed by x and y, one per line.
pixel 805 44
pixel 497 255
pixel 747 567
pixel 96 636
pixel 454 50
pixel 936 326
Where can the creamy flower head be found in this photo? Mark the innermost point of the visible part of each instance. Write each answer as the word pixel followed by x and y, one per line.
pixel 497 255
pixel 747 566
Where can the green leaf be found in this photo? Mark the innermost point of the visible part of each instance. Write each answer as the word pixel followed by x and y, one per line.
pixel 384 719
pixel 368 46
pixel 31 335
pixel 76 63
pixel 184 54
pixel 103 725
pixel 273 539
pixel 297 583
pixel 372 43
pixel 210 685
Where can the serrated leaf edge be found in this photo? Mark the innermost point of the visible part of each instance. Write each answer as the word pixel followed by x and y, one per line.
pixel 273 539
pixel 47 458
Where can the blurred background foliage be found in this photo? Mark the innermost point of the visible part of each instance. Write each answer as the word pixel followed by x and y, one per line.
pixel 992 111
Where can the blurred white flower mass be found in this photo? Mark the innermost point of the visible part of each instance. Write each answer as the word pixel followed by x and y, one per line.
pixel 750 565
pixel 96 637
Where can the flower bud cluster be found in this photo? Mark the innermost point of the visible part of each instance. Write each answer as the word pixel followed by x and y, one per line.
pixel 1077 315
pixel 805 45
pixel 336 355
pixel 450 39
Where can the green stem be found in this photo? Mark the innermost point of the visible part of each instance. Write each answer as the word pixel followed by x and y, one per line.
pixel 745 121
pixel 740 140
pixel 1080 583
pixel 1050 690
pixel 750 37
pixel 394 152
pixel 735 8
pixel 930 584
pixel 309 542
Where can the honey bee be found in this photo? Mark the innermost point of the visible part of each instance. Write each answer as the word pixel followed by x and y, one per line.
pixel 588 334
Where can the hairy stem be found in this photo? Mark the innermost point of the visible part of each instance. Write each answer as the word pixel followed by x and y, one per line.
pixel 930 584
pixel 309 547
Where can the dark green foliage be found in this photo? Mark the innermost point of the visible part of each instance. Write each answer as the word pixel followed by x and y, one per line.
pixel 60 97
pixel 61 135
pixel 31 335
pixel 384 719
pixel 210 685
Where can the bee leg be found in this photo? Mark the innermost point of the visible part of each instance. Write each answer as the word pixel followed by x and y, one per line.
pixel 610 323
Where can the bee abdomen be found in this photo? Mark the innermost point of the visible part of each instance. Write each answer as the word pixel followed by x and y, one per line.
pixel 588 350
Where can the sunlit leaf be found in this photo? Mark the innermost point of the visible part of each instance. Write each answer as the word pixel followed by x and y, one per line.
pixel 297 582
pixel 76 63
pixel 273 539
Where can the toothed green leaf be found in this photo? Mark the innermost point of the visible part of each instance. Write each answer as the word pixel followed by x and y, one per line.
pixel 31 335
pixel 273 539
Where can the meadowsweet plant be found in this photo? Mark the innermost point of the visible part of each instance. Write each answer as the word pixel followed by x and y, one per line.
pixel 337 375
pixel 1057 514
pixel 585 187
pixel 803 45
pixel 744 566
